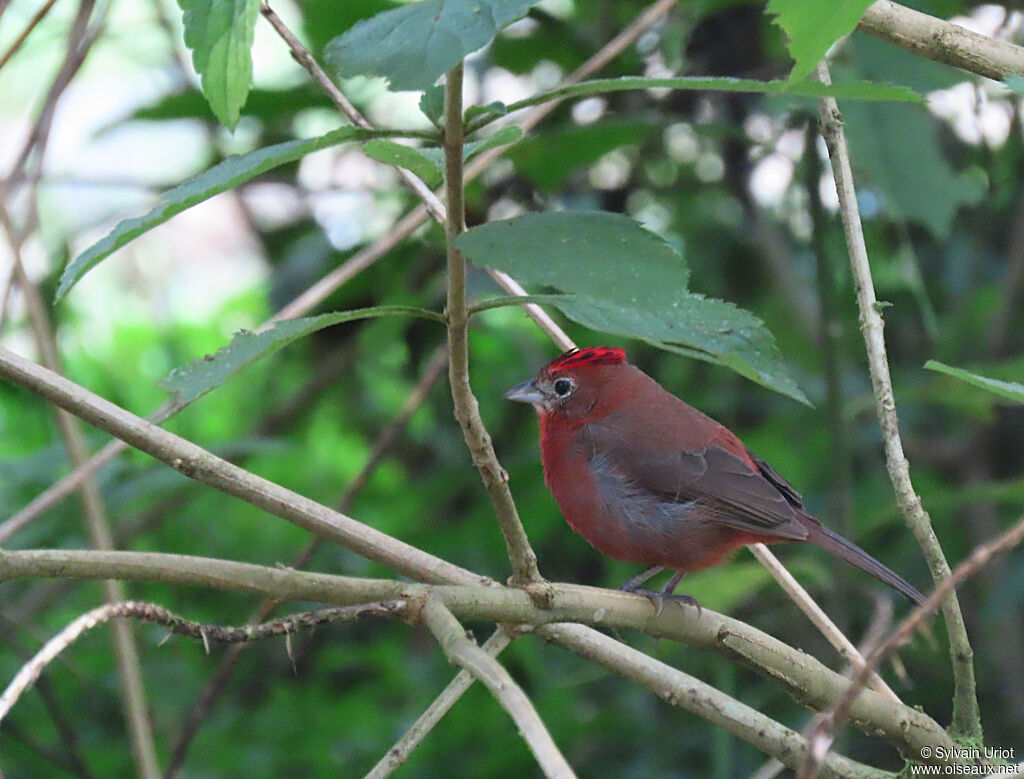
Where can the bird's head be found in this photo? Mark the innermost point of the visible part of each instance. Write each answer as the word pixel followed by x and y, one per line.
pixel 571 385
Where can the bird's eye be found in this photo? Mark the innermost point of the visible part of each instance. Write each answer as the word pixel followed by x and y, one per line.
pixel 563 387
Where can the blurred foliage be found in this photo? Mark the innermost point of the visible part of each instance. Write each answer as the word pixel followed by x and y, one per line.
pixel 942 214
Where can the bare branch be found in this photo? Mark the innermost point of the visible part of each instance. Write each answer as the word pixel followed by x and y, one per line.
pixel 942 41
pixel 199 464
pixel 149 612
pixel 385 441
pixel 691 694
pixel 966 716
pixel 829 721
pixel 464 652
pixel 807 680
pixel 426 722
pixel 817 616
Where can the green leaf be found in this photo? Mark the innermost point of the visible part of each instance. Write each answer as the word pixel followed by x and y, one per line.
pixel 813 26
pixel 227 174
pixel 897 148
pixel 220 35
pixel 414 45
pixel 854 90
pixel 495 109
pixel 622 279
pixel 1006 389
pixel 432 104
pixel 406 157
pixel 503 137
pixel 191 381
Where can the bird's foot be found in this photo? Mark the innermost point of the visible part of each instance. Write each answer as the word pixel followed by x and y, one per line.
pixel 659 597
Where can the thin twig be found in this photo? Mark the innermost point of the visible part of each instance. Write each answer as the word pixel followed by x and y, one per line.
pixel 467 411
pixel 818 618
pixel 942 41
pixel 426 722
pixel 302 55
pixel 966 716
pixel 149 612
pixel 829 721
pixel 35 20
pixel 465 653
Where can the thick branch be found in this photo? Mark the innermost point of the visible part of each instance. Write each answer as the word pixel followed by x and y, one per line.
pixel 464 652
pixel 807 680
pixel 942 41
pixel 966 716
pixel 467 411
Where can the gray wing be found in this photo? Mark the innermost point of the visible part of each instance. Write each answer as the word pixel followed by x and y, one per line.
pixel 727 487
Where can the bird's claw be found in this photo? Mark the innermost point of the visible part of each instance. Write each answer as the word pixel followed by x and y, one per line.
pixel 658 599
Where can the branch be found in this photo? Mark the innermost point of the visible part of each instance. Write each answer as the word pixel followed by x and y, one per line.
pixel 966 716
pixel 807 680
pixel 464 652
pixel 691 694
pixel 942 41
pixel 148 612
pixel 426 722
pixel 200 465
pixel 467 410
pixel 830 721
pixel 385 441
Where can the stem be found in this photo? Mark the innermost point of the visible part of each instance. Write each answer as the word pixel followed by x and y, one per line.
pixel 464 652
pixel 942 41
pixel 426 722
pixel 467 410
pixel 804 678
pixel 966 715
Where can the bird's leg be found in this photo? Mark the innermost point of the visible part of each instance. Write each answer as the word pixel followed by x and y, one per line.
pixel 656 598
pixel 633 584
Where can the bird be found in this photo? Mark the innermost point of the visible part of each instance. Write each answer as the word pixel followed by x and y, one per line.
pixel 646 478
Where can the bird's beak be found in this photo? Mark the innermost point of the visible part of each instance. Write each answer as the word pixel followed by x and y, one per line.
pixel 525 392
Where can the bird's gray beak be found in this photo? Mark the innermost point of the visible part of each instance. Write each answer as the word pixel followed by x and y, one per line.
pixel 525 392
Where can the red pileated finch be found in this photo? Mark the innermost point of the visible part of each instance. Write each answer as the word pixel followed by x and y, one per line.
pixel 645 478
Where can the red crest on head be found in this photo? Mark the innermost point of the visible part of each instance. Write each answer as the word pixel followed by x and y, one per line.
pixel 591 355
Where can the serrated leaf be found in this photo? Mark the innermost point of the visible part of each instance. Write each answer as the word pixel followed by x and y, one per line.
pixel 191 381
pixel 415 45
pixel 854 90
pixel 1006 389
pixel 406 157
pixel 220 34
pixel 503 137
pixel 432 104
pixel 221 177
pixel 813 26
pixel 495 109
pixel 622 279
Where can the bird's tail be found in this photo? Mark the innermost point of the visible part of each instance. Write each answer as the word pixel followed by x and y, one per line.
pixel 839 546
